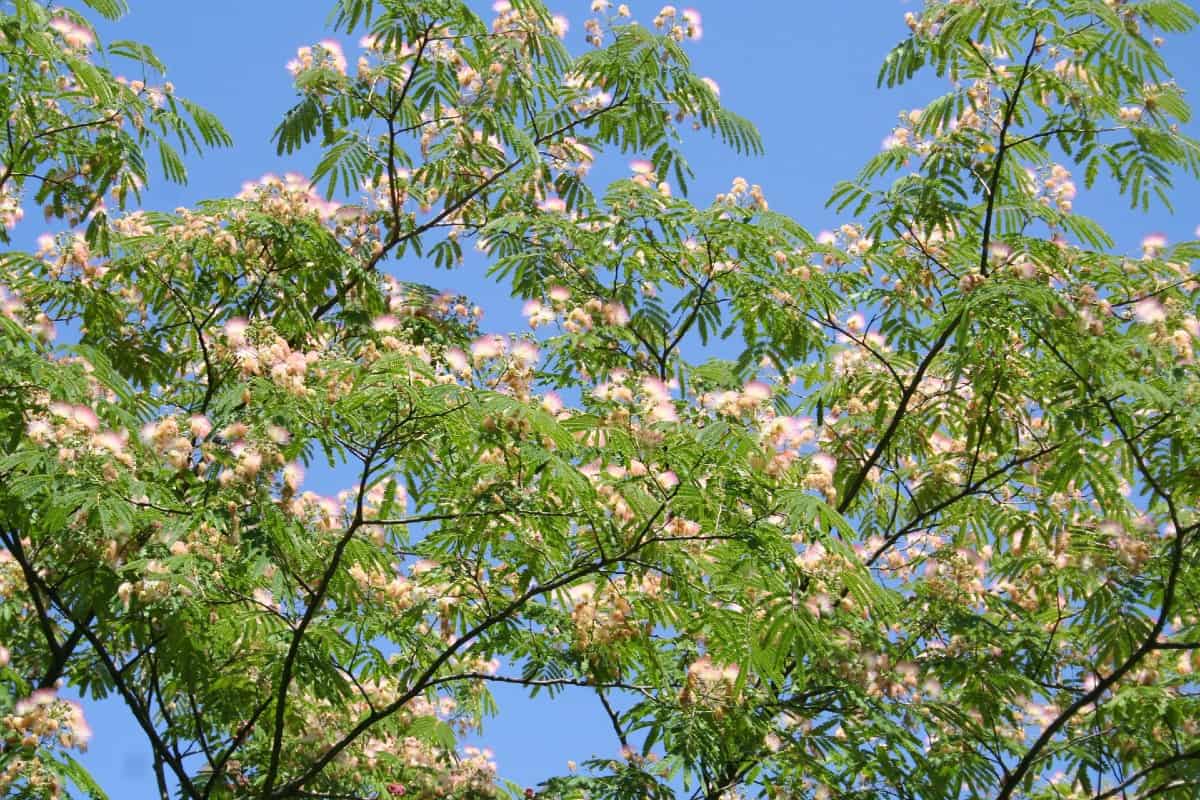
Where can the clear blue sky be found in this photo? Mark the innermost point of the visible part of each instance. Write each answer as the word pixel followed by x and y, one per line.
pixel 803 71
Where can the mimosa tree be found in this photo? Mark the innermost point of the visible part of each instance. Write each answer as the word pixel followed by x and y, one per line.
pixel 933 534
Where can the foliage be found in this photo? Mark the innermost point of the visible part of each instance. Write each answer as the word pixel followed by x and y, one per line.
pixel 933 534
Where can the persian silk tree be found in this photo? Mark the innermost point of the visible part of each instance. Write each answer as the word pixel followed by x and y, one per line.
pixel 932 534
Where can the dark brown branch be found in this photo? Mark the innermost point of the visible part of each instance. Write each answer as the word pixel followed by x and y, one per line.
pixel 314 605
pixel 421 683
pixel 1001 151
pixel 397 238
pixel 1033 754
pixel 1142 773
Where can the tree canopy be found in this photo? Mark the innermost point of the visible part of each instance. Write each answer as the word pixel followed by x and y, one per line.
pixel 932 534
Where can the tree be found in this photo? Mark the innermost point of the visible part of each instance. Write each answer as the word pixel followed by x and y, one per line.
pixel 934 534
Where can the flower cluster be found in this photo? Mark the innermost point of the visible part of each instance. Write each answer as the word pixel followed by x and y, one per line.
pixel 679 24
pixel 74 35
pixel 603 617
pixel 11 211
pixel 74 430
pixel 289 197
pixel 41 721
pixel 258 350
pixel 326 54
pixel 743 195
pixel 710 685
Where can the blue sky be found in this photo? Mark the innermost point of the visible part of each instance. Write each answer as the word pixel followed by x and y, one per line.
pixel 803 71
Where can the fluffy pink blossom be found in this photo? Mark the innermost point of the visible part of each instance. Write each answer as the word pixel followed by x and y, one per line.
pixel 74 35
pixel 38 431
pixel 385 323
pixel 293 476
pixel 457 360
pixel 525 353
pixel 1149 310
pixel 757 391
pixel 235 331
pixel 333 50
pixel 199 425
pixel 664 412
pixel 1153 245
pixel 112 441
pixel 824 462
pixel 615 314
pixel 656 389
pixel 552 402
pixel 85 417
pixel 487 346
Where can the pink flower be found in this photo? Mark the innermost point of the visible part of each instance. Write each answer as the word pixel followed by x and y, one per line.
pixel 1149 310
pixel 37 699
pixel 293 476
pixel 38 431
pixel 333 49
pixel 199 425
pixel 824 462
pixel 385 323
pixel 615 314
pixel 235 330
pixel 112 441
pixel 487 346
pixel 552 402
pixel 1153 245
pixel 641 167
pixel 74 35
pixel 250 463
pixel 657 390
pixel 553 204
pixel 525 353
pixel 264 598
pixel 758 391
pixel 664 412
pixel 1025 269
pixel 667 479
pixel 457 360
pixel 85 417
